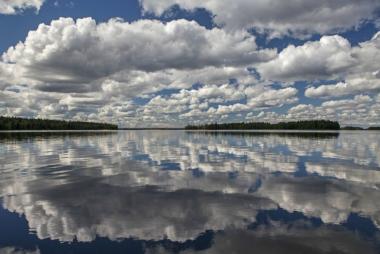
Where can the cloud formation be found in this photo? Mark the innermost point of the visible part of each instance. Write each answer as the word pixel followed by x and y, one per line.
pixel 279 18
pixel 82 51
pixel 325 58
pixel 16 6
pixel 332 57
pixel 155 73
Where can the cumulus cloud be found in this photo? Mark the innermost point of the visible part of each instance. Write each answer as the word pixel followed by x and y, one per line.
pixel 361 77
pixel 338 89
pixel 111 63
pixel 326 58
pixel 195 100
pixel 273 97
pixel 81 51
pixel 213 102
pixel 357 102
pixel 278 18
pixel 16 6
pixel 361 110
pixel 84 70
pixel 331 58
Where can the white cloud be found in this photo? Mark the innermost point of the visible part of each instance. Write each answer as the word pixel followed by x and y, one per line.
pixel 326 58
pixel 332 57
pixel 348 104
pixel 278 18
pixel 130 84
pixel 212 102
pixel 338 89
pixel 364 76
pixel 273 97
pixel 94 71
pixel 235 108
pixel 360 110
pixel 82 51
pixel 15 6
pixel 104 65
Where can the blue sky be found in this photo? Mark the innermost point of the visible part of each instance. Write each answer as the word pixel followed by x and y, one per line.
pixel 171 62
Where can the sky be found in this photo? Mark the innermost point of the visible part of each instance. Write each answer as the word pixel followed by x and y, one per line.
pixel 169 63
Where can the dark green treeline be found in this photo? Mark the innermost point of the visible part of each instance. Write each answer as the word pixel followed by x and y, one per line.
pixel 15 123
pixel 298 125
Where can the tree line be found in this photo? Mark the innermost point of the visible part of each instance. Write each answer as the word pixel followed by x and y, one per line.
pixel 296 125
pixel 355 128
pixel 15 123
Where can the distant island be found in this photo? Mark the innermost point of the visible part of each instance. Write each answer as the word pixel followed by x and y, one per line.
pixel 16 123
pixel 294 125
pixel 352 128
pixel 297 125
pixel 355 128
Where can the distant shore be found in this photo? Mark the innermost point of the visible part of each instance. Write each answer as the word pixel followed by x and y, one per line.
pixel 16 123
pixel 23 124
pixel 311 125
pixel 152 128
pixel 296 125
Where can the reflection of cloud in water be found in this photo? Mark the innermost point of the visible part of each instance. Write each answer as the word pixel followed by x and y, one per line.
pixel 347 172
pixel 120 206
pixel 95 208
pixel 14 250
pixel 206 152
pixel 273 239
pixel 120 186
pixel 360 148
pixel 330 200
pixel 208 155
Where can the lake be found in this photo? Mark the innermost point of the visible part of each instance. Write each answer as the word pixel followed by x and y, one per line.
pixel 190 192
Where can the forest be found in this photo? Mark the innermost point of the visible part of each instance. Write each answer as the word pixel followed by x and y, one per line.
pixel 15 123
pixel 296 125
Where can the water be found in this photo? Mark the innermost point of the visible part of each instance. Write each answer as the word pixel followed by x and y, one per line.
pixel 190 192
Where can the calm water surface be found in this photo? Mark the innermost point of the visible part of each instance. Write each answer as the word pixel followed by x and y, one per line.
pixel 189 192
